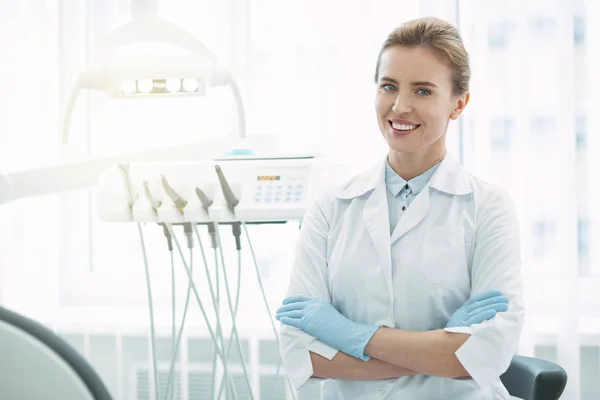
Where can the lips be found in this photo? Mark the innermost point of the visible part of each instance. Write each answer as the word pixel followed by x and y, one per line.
pixel 402 121
pixel 403 126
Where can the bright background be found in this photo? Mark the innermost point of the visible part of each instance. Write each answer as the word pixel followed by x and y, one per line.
pixel 305 70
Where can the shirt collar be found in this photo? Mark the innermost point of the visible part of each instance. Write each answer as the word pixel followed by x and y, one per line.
pixel 395 183
pixel 449 177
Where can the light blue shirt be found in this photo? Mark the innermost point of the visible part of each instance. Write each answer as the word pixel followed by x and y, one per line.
pixel 401 193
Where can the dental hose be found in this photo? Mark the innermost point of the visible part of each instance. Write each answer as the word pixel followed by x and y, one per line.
pixel 181 329
pixel 151 308
pixel 174 345
pixel 124 168
pixel 197 296
pixel 217 307
pixel 216 302
pixel 237 298
pixel 231 309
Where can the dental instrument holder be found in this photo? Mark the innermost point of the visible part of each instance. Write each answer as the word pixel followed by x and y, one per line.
pixel 250 190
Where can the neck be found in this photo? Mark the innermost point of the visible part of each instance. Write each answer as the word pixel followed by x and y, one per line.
pixel 409 166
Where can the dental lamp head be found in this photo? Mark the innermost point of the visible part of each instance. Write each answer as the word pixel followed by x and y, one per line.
pixel 122 75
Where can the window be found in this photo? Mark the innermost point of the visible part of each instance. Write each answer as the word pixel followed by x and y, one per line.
pixel 543 233
pixel 502 131
pixel 499 34
pixel 583 242
pixel 542 28
pixel 579 29
pixel 542 132
pixel 581 132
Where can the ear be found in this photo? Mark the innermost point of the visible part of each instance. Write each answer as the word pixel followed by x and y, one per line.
pixel 461 103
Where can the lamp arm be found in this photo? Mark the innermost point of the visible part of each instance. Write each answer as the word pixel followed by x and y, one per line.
pixel 241 114
pixel 68 116
pixel 152 29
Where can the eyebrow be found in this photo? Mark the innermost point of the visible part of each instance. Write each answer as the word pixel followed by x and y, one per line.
pixel 418 83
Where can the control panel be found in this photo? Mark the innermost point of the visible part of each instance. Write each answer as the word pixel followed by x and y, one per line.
pixel 287 188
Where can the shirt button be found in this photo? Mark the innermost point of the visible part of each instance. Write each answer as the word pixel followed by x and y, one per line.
pixel 403 208
pixel 406 186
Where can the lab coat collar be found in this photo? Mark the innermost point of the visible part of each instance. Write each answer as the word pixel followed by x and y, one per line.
pixel 450 177
pixel 364 182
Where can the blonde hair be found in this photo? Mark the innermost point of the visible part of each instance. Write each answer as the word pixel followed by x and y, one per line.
pixel 438 36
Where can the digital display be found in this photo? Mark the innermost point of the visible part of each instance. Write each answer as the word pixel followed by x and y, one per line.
pixel 269 178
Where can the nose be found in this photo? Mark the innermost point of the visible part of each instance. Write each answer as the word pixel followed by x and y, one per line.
pixel 402 105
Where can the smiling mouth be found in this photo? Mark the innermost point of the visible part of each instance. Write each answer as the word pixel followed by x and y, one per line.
pixel 403 128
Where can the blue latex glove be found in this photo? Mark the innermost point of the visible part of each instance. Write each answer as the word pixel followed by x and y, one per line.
pixel 479 308
pixel 320 319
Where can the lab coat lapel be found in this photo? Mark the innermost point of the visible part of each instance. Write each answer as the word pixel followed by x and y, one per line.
pixel 376 219
pixel 414 214
pixel 375 213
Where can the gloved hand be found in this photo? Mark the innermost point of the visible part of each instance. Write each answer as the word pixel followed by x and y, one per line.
pixel 479 308
pixel 320 319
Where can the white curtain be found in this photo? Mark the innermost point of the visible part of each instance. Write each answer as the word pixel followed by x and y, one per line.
pixel 305 69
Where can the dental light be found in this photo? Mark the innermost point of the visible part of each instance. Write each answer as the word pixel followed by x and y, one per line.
pixel 127 76
pixel 122 75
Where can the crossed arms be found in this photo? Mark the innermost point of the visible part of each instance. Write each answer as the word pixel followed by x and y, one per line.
pixel 431 352
pixel 391 353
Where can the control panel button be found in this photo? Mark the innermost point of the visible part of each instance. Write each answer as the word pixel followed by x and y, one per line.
pixel 287 189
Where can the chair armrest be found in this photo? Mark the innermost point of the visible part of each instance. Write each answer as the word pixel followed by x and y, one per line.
pixel 534 379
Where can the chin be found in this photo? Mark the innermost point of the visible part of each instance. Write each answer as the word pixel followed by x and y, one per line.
pixel 401 146
pixel 402 150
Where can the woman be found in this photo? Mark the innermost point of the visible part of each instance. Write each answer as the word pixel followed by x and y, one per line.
pixel 395 290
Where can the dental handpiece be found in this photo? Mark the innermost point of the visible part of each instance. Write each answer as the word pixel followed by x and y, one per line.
pixel 179 202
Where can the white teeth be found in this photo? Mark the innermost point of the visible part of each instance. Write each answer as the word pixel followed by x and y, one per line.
pixel 402 127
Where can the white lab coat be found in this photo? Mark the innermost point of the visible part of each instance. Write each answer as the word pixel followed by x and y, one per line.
pixel 458 238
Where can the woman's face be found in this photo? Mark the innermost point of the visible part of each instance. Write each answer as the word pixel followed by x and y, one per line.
pixel 414 101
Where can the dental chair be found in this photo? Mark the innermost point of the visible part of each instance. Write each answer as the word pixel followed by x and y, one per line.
pixel 534 379
pixel 37 364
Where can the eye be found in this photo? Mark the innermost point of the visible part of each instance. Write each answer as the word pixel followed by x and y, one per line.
pixel 388 87
pixel 423 92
